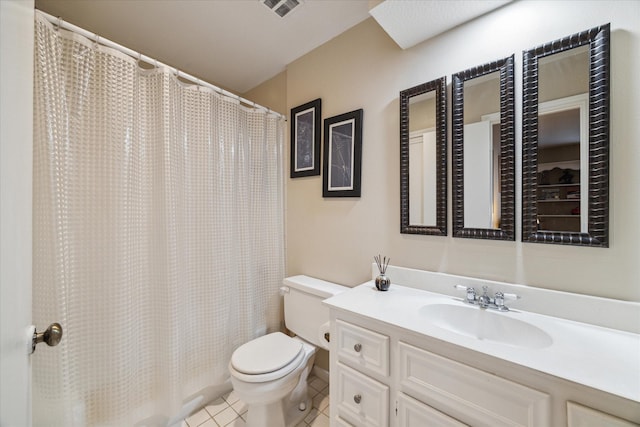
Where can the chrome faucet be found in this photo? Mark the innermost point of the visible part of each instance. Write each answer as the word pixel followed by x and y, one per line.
pixel 485 300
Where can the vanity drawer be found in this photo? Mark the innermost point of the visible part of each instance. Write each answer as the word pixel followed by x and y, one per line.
pixel 362 348
pixel 581 416
pixel 413 413
pixel 469 394
pixel 362 401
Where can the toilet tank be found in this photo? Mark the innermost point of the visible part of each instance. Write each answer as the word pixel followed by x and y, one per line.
pixel 304 313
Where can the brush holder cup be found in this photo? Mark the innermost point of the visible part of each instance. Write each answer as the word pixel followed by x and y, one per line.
pixel 382 282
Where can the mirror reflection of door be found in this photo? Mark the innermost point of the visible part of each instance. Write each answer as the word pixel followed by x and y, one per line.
pixel 563 141
pixel 481 150
pixel 422 160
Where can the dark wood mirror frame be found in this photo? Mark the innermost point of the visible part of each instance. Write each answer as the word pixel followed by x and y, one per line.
pixel 440 228
pixel 598 40
pixel 507 151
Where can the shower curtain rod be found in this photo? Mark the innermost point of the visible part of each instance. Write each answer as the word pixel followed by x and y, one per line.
pixel 59 22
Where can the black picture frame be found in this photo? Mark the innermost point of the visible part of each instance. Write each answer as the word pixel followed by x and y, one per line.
pixel 342 155
pixel 305 139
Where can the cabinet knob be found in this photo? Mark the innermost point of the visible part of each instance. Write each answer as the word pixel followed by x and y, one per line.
pixel 357 398
pixel 357 348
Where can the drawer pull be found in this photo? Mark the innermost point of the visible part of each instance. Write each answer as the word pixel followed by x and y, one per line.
pixel 357 398
pixel 357 348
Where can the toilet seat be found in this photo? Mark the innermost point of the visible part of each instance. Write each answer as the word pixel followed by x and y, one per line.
pixel 267 358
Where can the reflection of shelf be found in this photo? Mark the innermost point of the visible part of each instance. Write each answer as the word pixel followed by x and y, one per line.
pixel 557 185
pixel 559 223
pixel 569 164
pixel 559 200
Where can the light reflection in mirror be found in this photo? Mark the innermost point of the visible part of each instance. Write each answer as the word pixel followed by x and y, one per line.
pixel 422 159
pixel 481 151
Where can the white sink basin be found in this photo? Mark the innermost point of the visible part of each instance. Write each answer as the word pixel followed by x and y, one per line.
pixel 484 324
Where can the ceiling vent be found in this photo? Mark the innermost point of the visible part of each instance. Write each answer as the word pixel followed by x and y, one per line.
pixel 282 7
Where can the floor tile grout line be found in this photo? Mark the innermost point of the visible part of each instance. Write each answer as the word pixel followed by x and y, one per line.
pixel 324 390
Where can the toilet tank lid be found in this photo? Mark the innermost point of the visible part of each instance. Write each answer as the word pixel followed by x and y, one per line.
pixel 314 286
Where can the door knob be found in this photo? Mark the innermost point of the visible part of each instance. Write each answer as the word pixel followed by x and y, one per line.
pixel 52 336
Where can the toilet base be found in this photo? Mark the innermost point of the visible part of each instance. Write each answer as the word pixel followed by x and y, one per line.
pixel 295 415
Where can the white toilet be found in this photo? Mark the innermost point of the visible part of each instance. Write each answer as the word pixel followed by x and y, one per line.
pixel 270 373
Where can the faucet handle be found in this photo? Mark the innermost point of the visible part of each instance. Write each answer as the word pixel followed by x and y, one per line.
pixel 471 293
pixel 499 300
pixel 510 296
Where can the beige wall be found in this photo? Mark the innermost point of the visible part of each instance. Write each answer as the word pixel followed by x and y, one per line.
pixel 271 94
pixel 335 239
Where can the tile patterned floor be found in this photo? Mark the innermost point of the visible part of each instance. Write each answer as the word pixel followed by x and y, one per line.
pixel 229 411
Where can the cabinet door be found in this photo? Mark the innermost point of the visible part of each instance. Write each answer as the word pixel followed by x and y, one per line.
pixel 413 413
pixel 341 423
pixel 469 394
pixel 582 416
pixel 361 400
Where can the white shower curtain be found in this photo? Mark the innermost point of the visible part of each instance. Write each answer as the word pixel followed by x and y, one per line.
pixel 158 234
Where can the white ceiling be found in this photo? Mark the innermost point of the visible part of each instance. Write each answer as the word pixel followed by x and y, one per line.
pixel 410 22
pixel 238 44
pixel 235 44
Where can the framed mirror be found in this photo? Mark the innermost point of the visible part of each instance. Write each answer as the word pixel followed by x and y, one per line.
pixel 423 159
pixel 483 145
pixel 565 140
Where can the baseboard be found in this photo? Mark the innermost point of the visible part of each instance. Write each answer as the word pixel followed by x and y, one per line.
pixel 323 374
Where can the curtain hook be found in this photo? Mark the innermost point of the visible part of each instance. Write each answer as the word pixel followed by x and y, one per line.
pixel 96 43
pixel 59 23
pixel 139 62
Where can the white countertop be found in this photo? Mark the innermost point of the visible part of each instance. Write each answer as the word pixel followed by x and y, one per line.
pixel 601 358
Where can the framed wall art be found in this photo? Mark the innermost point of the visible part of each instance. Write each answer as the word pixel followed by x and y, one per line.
pixel 342 155
pixel 305 139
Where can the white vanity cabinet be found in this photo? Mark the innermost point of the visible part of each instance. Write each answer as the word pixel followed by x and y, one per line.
pixel 379 380
pixel 385 371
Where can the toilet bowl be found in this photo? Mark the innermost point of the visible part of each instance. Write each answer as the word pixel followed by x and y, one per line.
pixel 275 392
pixel 270 372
